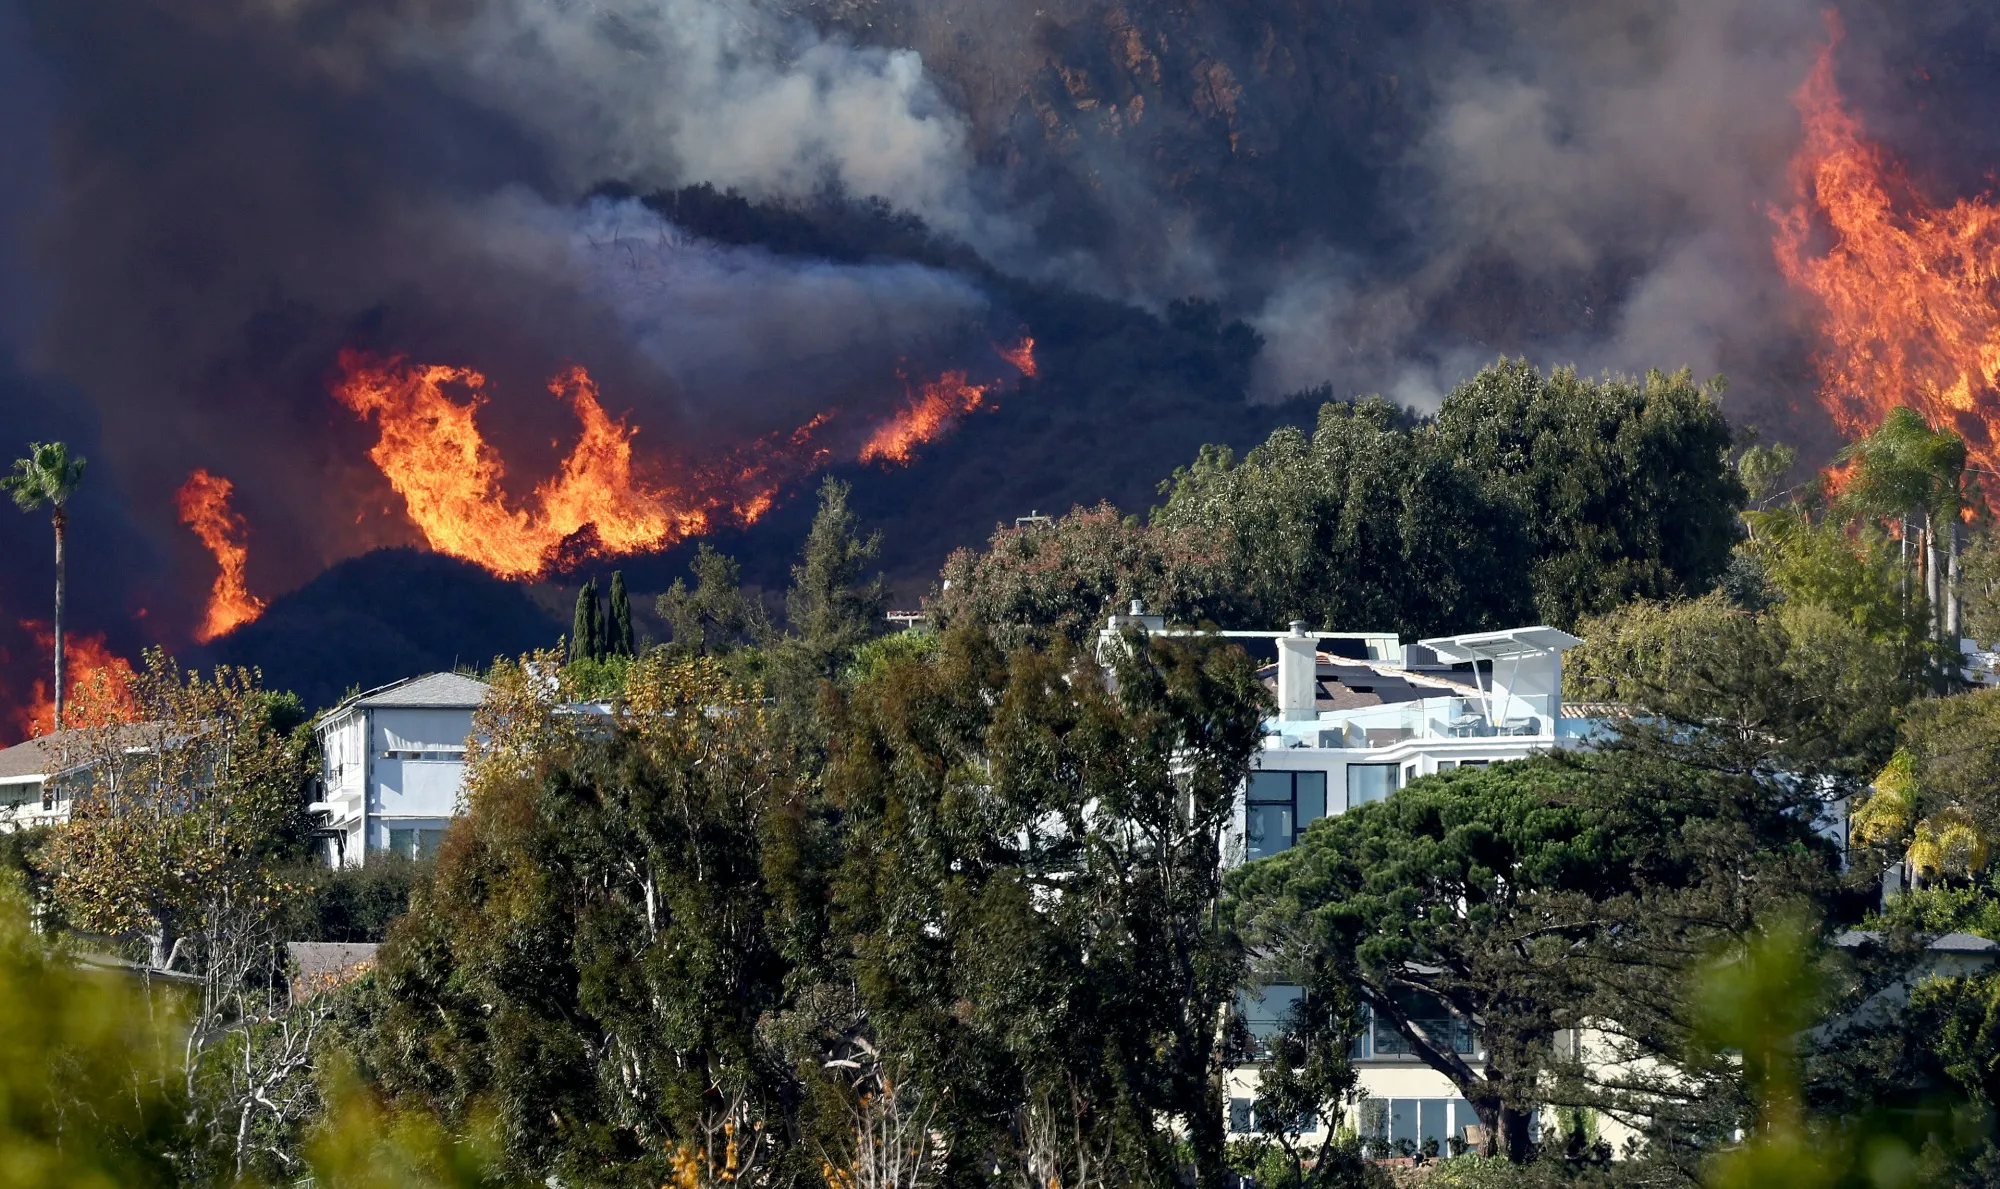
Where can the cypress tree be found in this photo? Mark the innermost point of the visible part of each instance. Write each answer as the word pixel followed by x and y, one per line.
pixel 619 642
pixel 586 633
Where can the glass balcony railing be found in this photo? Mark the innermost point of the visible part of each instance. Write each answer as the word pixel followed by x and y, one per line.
pixel 1370 727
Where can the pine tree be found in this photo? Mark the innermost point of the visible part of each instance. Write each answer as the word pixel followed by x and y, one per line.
pixel 832 608
pixel 619 641
pixel 586 638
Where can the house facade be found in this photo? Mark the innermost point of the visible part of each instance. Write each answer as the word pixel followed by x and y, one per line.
pixel 1359 716
pixel 31 793
pixel 392 766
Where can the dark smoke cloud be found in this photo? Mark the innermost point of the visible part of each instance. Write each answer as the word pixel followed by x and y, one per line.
pixel 200 202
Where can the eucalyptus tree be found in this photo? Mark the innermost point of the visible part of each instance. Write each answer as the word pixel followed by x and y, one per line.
pixel 47 477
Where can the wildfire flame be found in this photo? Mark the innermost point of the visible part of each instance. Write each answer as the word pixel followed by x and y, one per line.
pixel 430 449
pixel 927 415
pixel 204 507
pixel 99 680
pixel 600 502
pixel 1908 293
pixel 1021 355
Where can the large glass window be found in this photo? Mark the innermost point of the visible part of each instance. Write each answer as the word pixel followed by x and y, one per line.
pixel 1406 1126
pixel 415 843
pixel 1267 1011
pixel 1371 782
pixel 1378 1038
pixel 1280 804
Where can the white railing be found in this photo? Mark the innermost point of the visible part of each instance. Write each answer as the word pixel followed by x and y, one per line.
pixel 1370 727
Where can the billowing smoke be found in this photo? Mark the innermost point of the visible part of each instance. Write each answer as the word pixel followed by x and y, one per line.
pixel 202 202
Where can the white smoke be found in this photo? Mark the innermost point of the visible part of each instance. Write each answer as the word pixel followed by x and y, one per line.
pixel 664 93
pixel 715 317
pixel 1617 162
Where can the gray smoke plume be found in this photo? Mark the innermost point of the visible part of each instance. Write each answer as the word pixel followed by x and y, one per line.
pixel 202 201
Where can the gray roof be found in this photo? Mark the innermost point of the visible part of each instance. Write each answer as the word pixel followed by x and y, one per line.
pixel 37 757
pixel 442 691
pixel 1949 943
pixel 47 755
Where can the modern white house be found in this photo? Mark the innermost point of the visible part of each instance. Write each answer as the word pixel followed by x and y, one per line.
pixel 392 766
pixel 1360 715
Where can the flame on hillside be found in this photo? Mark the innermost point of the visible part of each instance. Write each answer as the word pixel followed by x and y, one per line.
pixel 927 415
pixel 204 507
pixel 99 685
pixel 1908 292
pixel 598 503
pixel 601 501
pixel 936 407
pixel 1021 355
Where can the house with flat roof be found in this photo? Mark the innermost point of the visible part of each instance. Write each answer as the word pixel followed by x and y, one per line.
pixel 392 766
pixel 1359 716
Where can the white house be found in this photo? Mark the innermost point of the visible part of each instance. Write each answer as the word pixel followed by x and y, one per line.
pixel 1359 716
pixel 392 766
pixel 29 793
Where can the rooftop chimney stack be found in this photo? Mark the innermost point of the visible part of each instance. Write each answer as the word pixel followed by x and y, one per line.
pixel 1298 674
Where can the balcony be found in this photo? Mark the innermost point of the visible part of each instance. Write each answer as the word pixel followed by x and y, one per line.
pixel 1369 728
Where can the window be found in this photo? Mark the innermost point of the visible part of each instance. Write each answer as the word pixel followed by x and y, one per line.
pixel 1378 1038
pixel 1400 1126
pixel 422 755
pixel 415 843
pixel 1266 1012
pixel 1279 806
pixel 1447 765
pixel 48 799
pixel 1370 782
pixel 1246 1119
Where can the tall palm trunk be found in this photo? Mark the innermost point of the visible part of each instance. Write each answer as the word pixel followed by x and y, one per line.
pixel 1934 604
pixel 1954 618
pixel 62 522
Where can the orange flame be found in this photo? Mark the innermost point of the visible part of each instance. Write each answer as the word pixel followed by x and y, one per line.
pixel 927 416
pixel 204 506
pixel 1021 355
pixel 99 680
pixel 1908 293
pixel 599 503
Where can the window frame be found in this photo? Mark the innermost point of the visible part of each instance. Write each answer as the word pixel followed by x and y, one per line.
pixel 1292 801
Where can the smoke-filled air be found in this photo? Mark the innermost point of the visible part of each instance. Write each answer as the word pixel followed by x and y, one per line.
pixel 541 285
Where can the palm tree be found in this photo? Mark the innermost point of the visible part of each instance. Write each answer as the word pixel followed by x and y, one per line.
pixel 49 476
pixel 1907 470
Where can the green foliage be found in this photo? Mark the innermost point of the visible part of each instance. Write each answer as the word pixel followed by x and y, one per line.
pixel 597 679
pixel 85 1071
pixel 323 903
pixel 1762 468
pixel 618 640
pixel 1960 907
pixel 715 618
pixel 1621 486
pixel 179 820
pixel 1363 495
pixel 1045 582
pixel 1528 496
pixel 1796 684
pixel 602 934
pixel 1534 896
pixel 47 477
pixel 586 633
pixel 834 606
pixel 1026 891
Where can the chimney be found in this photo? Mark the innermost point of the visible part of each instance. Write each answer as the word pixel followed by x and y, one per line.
pixel 1298 674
